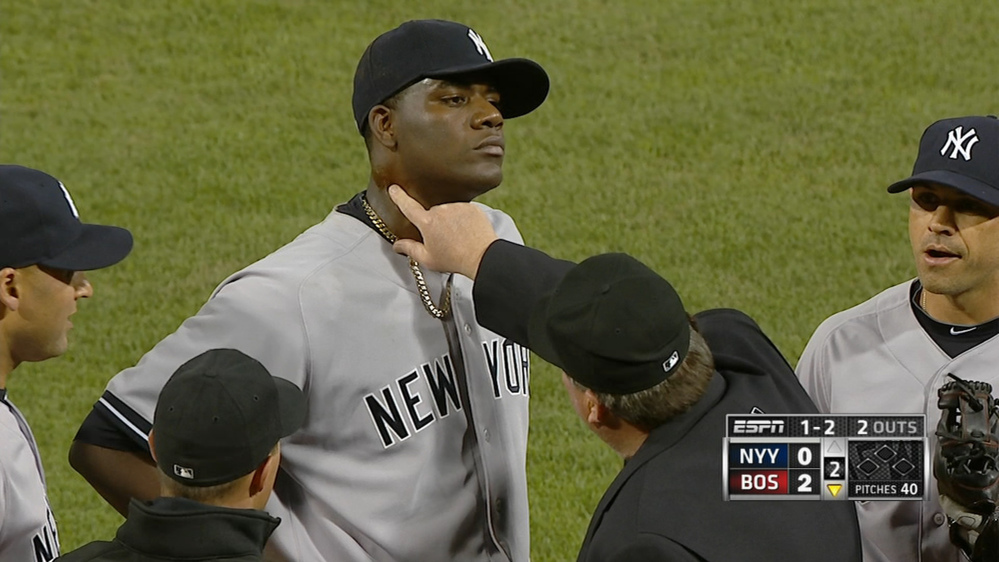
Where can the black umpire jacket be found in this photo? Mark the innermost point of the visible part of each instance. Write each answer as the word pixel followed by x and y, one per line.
pixel 667 501
pixel 181 529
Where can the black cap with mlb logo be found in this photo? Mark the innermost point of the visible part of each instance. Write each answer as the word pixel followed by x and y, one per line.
pixel 962 153
pixel 422 49
pixel 613 325
pixel 220 415
pixel 39 225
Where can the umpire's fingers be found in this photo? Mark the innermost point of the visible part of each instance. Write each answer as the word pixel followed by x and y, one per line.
pixel 409 206
pixel 411 248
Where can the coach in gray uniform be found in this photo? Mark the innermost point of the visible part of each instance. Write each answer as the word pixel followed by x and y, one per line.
pixel 415 442
pixel 44 249
pixel 892 353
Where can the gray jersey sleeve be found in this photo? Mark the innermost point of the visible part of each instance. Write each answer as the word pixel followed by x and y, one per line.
pixel 250 312
pixel 813 368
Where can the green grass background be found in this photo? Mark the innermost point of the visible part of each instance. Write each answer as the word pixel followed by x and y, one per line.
pixel 740 147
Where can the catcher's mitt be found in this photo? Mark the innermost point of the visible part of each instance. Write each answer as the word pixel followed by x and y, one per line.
pixel 966 463
pixel 966 460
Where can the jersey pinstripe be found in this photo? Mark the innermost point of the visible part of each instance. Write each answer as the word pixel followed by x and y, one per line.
pixel 27 527
pixel 876 358
pixel 413 449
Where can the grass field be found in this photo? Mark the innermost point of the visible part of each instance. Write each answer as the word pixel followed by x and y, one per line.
pixel 740 147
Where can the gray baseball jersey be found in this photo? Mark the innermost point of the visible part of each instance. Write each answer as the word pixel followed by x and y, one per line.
pixel 413 448
pixel 27 528
pixel 876 358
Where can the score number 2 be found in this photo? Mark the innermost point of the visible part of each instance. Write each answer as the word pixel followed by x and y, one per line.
pixel 830 426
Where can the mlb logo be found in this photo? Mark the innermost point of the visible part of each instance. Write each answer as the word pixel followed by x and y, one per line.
pixel 183 472
pixel 671 362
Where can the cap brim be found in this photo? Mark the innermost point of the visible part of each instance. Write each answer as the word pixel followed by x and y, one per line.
pixel 965 184
pixel 97 246
pixel 522 83
pixel 537 333
pixel 292 405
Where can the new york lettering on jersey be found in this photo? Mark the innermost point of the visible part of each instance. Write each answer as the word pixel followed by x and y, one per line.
pixel 430 391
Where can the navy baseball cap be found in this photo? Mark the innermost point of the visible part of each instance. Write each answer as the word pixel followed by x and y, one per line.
pixel 220 415
pixel 39 225
pixel 421 49
pixel 962 153
pixel 613 325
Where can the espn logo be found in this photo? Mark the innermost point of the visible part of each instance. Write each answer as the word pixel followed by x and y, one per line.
pixel 758 427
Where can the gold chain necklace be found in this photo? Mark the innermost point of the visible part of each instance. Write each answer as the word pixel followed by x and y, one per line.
pixel 439 313
pixel 922 299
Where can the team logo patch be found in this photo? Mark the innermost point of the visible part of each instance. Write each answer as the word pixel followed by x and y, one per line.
pixel 959 143
pixel 671 362
pixel 183 472
pixel 480 45
pixel 69 200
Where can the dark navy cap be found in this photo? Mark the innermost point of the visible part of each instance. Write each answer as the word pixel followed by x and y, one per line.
pixel 962 153
pixel 422 49
pixel 39 225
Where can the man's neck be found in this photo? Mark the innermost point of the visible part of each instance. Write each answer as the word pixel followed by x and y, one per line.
pixel 626 440
pixel 232 501
pixel 967 308
pixel 7 363
pixel 394 220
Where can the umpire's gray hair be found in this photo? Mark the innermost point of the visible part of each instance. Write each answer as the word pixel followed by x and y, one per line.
pixel 648 409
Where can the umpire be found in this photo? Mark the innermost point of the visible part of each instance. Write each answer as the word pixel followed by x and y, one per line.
pixel 652 383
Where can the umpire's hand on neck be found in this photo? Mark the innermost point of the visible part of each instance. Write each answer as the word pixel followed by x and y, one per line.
pixel 455 235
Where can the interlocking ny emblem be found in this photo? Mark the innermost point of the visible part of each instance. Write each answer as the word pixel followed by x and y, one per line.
pixel 480 45
pixel 69 200
pixel 959 142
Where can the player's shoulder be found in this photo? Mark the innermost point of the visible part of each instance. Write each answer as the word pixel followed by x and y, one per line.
pixel 502 223
pixel 864 317
pixel 291 265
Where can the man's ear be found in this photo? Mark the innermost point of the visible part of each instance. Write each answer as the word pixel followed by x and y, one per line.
pixel 382 126
pixel 261 476
pixel 8 288
pixel 152 448
pixel 597 415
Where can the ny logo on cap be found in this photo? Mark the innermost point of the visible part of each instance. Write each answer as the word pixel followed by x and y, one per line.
pixel 671 362
pixel 480 45
pixel 69 200
pixel 960 142
pixel 183 471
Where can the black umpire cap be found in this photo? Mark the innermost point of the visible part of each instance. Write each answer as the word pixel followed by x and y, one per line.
pixel 613 325
pixel 220 415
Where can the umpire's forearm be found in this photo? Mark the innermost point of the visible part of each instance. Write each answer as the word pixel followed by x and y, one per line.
pixel 118 476
pixel 510 281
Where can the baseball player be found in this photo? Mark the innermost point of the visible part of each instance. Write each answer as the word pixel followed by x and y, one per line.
pixel 415 441
pixel 893 352
pixel 44 251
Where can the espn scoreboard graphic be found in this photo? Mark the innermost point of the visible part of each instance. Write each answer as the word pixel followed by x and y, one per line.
pixel 825 457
